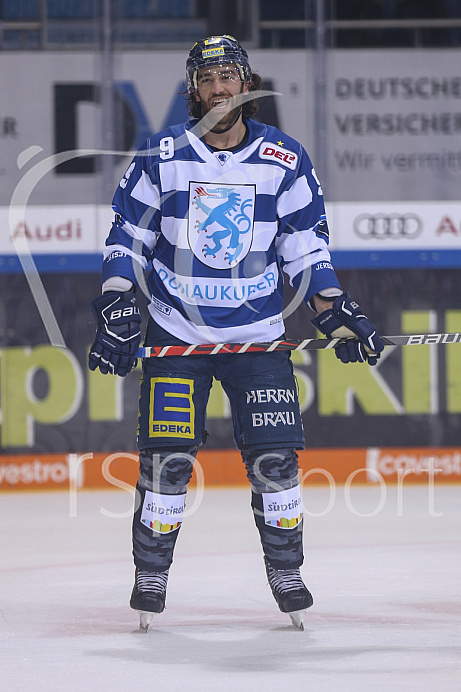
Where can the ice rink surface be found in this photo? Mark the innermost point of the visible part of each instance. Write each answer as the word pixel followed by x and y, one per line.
pixel 383 564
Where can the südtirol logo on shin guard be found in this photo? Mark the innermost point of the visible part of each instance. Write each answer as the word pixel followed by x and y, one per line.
pixel 162 513
pixel 283 509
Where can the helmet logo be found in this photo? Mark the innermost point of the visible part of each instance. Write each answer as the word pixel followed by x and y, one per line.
pixel 212 52
pixel 217 39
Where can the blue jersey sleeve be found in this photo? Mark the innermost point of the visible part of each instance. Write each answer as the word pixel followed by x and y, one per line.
pixel 135 227
pixel 303 234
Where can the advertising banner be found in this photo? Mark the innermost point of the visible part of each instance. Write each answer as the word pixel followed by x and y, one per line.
pixel 393 119
pixel 356 227
pixel 51 153
pixel 50 401
pixel 328 467
pixel 394 124
pixel 395 234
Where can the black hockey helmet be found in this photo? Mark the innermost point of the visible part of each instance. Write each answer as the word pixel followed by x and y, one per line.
pixel 216 50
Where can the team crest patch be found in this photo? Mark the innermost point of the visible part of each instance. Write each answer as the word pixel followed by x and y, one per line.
pixel 220 229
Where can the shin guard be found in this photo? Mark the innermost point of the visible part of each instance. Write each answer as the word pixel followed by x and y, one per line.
pixel 277 505
pixel 160 503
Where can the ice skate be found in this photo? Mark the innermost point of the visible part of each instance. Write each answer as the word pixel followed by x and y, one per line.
pixel 148 595
pixel 145 618
pixel 297 618
pixel 290 593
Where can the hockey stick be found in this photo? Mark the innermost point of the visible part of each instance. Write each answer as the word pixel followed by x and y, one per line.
pixel 301 345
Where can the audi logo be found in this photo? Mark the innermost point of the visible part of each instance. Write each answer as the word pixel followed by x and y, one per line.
pixel 384 226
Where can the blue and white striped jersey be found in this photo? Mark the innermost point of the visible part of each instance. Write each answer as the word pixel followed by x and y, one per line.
pixel 212 230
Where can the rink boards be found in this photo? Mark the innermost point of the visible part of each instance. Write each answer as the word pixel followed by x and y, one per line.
pixel 119 470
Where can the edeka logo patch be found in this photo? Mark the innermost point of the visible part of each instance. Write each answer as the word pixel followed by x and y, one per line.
pixel 212 52
pixel 171 410
pixel 284 509
pixel 162 513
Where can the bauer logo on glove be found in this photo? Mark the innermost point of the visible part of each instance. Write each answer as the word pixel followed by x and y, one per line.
pixel 118 334
pixel 345 320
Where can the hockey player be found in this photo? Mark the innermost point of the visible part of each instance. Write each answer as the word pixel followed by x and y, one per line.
pixel 209 212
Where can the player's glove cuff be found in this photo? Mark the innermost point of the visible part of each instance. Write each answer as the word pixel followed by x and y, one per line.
pixel 118 334
pixel 345 320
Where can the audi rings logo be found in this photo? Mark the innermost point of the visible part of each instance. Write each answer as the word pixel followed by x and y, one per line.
pixel 383 226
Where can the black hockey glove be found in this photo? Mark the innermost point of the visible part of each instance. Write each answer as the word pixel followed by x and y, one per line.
pixel 345 320
pixel 118 334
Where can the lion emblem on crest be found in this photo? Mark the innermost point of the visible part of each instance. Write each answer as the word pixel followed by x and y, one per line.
pixel 221 223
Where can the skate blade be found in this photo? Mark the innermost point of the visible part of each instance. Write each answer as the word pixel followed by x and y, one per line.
pixel 145 618
pixel 297 618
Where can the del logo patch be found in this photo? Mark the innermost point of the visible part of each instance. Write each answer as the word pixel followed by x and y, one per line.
pixel 171 410
pixel 220 230
pixel 272 152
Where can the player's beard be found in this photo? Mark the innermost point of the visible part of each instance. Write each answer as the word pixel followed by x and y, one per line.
pixel 228 122
pixel 227 119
